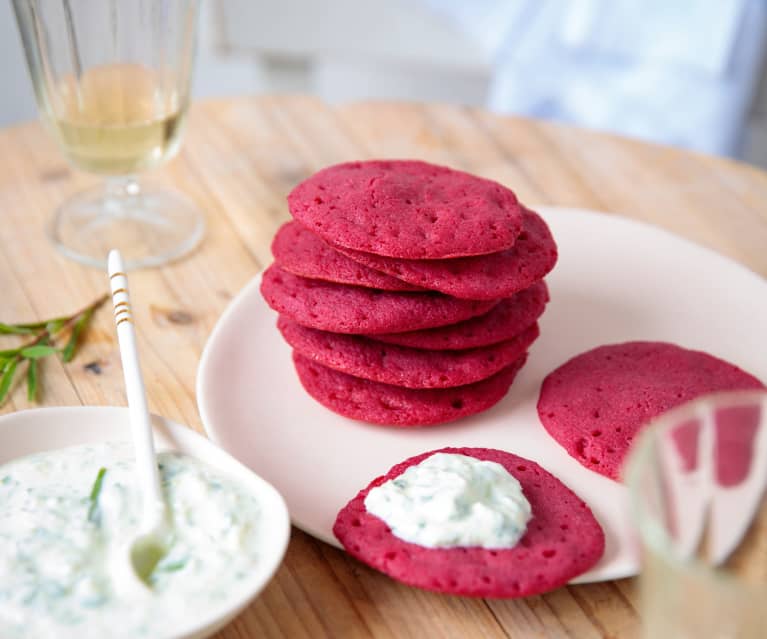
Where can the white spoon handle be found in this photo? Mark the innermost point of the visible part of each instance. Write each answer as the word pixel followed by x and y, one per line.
pixel 141 426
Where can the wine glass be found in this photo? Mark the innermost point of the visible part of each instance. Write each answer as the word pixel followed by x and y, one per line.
pixel 112 81
pixel 698 484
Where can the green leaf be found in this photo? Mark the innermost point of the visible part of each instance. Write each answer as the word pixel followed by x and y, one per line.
pixel 7 378
pixel 37 351
pixel 94 514
pixel 32 380
pixel 38 326
pixel 69 350
pixel 41 346
pixel 173 566
pixel 55 325
pixel 15 329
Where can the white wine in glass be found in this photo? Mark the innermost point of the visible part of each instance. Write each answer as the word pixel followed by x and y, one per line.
pixel 112 80
pixel 117 120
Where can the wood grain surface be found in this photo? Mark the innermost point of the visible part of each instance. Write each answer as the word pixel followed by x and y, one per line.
pixel 239 160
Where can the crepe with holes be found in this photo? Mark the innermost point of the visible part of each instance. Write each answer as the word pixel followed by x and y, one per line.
pixel 298 250
pixel 390 405
pixel 400 365
pixel 408 209
pixel 595 404
pixel 563 539
pixel 354 309
pixel 508 318
pixel 481 277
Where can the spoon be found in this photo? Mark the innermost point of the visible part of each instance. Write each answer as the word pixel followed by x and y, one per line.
pixel 150 545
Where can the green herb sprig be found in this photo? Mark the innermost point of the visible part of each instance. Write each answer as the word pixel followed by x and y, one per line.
pixel 94 512
pixel 42 345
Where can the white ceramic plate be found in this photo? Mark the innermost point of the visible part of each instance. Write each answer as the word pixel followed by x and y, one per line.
pixel 32 431
pixel 616 280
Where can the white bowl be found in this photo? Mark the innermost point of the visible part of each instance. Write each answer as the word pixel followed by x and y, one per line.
pixel 31 431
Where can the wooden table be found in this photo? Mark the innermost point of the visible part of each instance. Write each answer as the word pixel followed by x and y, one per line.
pixel 239 160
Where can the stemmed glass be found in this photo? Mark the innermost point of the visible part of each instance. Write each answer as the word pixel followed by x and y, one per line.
pixel 698 484
pixel 112 81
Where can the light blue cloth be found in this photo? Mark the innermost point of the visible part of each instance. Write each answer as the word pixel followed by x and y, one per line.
pixel 680 72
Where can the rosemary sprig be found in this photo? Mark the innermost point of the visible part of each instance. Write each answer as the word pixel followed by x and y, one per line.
pixel 42 345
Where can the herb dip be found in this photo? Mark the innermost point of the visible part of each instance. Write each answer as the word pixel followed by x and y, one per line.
pixel 66 515
pixel 450 500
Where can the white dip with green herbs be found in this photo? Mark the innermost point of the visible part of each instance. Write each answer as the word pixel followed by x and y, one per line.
pixel 62 520
pixel 451 500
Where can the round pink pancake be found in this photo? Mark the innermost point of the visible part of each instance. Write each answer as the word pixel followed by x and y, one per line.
pixel 379 403
pixel 507 319
pixel 299 251
pixel 403 366
pixel 480 277
pixel 596 403
pixel 407 208
pixel 563 539
pixel 353 309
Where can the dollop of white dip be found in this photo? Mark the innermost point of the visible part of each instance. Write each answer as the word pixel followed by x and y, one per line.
pixel 450 500
pixel 58 540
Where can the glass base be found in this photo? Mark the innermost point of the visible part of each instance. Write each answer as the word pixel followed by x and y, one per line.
pixel 148 224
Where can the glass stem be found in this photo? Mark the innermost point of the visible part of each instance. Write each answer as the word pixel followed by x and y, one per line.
pixel 118 191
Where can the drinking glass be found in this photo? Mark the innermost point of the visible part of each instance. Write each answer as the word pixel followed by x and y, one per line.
pixel 112 81
pixel 697 480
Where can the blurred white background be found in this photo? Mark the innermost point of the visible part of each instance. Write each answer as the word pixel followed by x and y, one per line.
pixel 682 72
